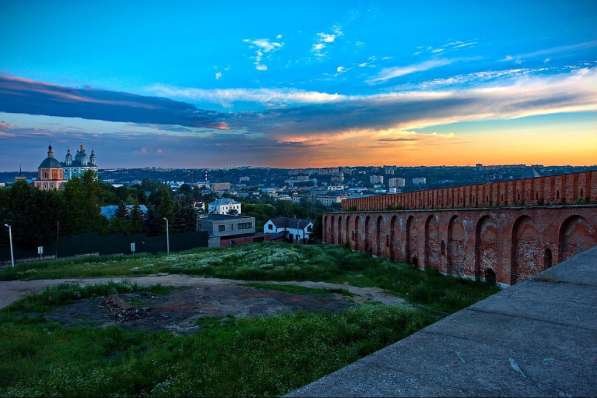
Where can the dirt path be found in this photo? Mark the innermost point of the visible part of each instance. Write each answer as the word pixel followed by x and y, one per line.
pixel 11 291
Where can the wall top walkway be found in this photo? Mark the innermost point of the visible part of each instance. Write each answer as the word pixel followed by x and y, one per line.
pixel 536 338
pixel 565 189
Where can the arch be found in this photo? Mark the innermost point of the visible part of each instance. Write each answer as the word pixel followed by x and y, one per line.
pixel 332 230
pixel 489 276
pixel 455 255
pixel 378 240
pixel 366 240
pixel 339 233
pixel 432 243
pixel 576 235
pixel 547 258
pixel 393 237
pixel 347 238
pixel 411 239
pixel 356 232
pixel 325 228
pixel 486 239
pixel 526 249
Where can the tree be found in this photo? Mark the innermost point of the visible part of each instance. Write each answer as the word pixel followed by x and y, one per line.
pixel 136 219
pixel 121 212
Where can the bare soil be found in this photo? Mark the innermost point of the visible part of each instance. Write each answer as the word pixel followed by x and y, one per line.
pixel 181 311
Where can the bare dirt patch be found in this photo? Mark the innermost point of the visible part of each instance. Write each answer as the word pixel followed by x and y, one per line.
pixel 182 310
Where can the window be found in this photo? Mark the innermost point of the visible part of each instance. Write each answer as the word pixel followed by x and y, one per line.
pixel 246 225
pixel 221 228
pixel 270 227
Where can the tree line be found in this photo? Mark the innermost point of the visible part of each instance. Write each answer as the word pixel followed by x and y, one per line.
pixel 40 217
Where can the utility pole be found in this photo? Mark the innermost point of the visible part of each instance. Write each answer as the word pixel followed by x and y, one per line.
pixel 167 237
pixel 12 255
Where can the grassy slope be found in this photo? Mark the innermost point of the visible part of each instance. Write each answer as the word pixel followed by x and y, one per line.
pixel 258 356
pixel 276 261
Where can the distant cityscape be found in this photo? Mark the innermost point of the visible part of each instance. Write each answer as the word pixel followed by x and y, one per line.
pixel 328 186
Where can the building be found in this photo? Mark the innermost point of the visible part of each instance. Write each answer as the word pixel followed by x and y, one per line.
pixel 224 206
pixel 375 179
pixel 388 170
pixel 50 173
pixel 77 167
pixel 396 182
pixel 330 200
pixel 296 229
pixel 419 180
pixel 221 186
pixel 220 225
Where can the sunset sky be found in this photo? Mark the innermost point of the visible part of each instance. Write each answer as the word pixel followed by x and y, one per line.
pixel 301 84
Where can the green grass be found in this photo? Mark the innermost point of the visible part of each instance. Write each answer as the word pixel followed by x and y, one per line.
pixel 247 357
pixel 294 289
pixel 68 293
pixel 280 262
pixel 261 356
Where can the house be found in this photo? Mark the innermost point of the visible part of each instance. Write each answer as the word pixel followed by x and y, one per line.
pixel 224 206
pixel 297 229
pixel 221 225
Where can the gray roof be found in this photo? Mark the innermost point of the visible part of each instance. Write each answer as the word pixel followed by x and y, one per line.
pixel 288 222
pixel 222 217
pixel 224 201
pixel 50 162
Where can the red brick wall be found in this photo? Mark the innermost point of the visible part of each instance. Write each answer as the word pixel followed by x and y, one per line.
pixel 514 243
pixel 564 189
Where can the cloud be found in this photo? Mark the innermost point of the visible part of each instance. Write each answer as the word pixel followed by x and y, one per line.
pixel 19 95
pixel 218 75
pixel 526 96
pixel 324 39
pixel 473 78
pixel 270 97
pixel 550 51
pixel 449 46
pixel 398 71
pixel 314 117
pixel 4 125
pixel 341 69
pixel 263 49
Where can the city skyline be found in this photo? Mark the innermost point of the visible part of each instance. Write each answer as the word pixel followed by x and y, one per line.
pixel 309 85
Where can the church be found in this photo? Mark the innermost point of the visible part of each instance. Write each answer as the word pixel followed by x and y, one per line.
pixel 52 174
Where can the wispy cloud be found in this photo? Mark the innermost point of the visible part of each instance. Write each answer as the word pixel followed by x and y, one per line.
pixel 266 96
pixel 451 45
pixel 263 49
pixel 398 71
pixel 324 39
pixel 475 78
pixel 544 53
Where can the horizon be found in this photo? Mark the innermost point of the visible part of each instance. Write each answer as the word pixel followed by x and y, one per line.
pixel 353 84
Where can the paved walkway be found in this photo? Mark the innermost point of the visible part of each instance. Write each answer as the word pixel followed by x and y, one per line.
pixel 537 338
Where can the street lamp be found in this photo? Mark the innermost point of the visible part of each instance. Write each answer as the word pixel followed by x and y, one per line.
pixel 167 237
pixel 12 256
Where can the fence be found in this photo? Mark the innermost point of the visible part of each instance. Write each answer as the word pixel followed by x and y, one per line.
pixel 111 244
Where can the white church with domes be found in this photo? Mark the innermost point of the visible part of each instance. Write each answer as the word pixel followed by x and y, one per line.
pixel 52 174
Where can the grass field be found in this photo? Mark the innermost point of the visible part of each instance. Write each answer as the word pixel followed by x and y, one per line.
pixel 260 356
pixel 276 262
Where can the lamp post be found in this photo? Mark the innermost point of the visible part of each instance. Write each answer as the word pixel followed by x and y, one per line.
pixel 167 237
pixel 12 256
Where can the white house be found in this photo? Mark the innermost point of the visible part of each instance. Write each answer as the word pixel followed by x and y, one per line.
pixel 224 206
pixel 296 229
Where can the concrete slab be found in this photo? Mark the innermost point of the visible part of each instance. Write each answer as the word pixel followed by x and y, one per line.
pixel 537 338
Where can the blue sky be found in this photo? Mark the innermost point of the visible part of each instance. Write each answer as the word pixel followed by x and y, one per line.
pixel 299 84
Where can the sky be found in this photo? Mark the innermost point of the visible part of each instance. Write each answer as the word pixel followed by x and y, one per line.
pixel 299 84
